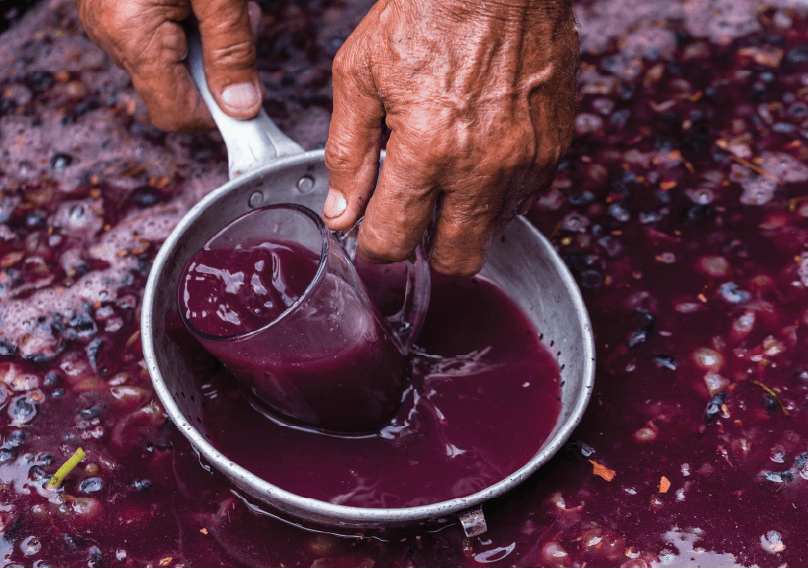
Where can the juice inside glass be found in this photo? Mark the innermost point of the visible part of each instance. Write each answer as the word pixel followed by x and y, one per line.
pixel 275 297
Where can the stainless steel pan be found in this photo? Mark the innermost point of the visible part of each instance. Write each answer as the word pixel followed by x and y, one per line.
pixel 267 167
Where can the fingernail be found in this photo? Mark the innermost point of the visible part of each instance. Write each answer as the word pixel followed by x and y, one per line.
pixel 241 96
pixel 335 204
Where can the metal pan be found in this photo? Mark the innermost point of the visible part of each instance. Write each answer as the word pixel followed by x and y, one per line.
pixel 267 167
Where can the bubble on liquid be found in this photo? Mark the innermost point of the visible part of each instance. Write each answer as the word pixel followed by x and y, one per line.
pixel 801 465
pixel 638 337
pixel 666 257
pixel 715 383
pixel 586 123
pixel 603 105
pixel 611 245
pixel 708 359
pixel 141 485
pixel 575 222
pixel 784 167
pixel 772 346
pixel 757 190
pixel 646 434
pixel 772 542
pixel 701 196
pixel 584 198
pixel 713 266
pixel 30 546
pixel 553 554
pixel 742 325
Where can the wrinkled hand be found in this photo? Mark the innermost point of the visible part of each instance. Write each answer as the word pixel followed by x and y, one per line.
pixel 146 38
pixel 479 97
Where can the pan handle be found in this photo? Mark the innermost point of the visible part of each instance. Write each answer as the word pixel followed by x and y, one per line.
pixel 251 143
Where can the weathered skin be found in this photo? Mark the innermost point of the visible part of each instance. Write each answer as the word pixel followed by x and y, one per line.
pixel 145 38
pixel 479 97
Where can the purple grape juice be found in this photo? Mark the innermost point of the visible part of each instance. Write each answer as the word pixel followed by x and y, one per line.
pixel 226 291
pixel 328 363
pixel 484 396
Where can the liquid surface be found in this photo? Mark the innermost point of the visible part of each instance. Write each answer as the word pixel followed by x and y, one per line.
pixel 479 407
pixel 331 363
pixel 234 291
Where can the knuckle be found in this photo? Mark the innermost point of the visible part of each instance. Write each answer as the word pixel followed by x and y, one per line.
pixel 119 15
pixel 456 266
pixel 174 115
pixel 382 244
pixel 346 61
pixel 456 238
pixel 338 156
pixel 168 122
pixel 516 152
pixel 461 246
pixel 131 19
pixel 104 21
pixel 171 123
pixel 151 52
pixel 236 55
pixel 421 152
pixel 342 61
pixel 340 64
pixel 438 149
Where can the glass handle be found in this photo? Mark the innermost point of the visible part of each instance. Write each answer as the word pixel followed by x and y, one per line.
pixel 407 322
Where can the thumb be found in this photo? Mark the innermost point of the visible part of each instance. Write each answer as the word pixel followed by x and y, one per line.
pixel 354 139
pixel 228 55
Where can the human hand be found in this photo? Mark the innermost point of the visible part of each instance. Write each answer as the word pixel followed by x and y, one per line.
pixel 480 98
pixel 146 39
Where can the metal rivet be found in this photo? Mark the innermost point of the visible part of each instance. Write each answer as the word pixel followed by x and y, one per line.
pixel 473 521
pixel 305 184
pixel 256 199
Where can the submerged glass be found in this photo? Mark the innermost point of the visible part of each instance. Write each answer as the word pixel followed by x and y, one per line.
pixel 329 360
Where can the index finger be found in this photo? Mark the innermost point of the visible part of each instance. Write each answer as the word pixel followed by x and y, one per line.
pixel 163 82
pixel 148 42
pixel 463 233
pixel 402 204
